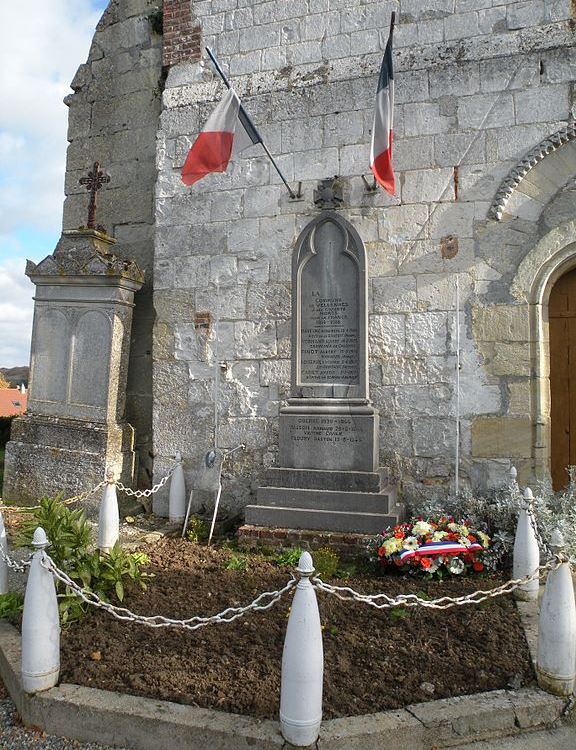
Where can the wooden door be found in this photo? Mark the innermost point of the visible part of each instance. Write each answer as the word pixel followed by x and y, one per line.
pixel 562 317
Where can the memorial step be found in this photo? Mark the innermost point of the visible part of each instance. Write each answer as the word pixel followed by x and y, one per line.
pixel 318 479
pixel 349 502
pixel 322 520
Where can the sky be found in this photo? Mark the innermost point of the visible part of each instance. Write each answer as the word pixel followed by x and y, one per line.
pixel 44 43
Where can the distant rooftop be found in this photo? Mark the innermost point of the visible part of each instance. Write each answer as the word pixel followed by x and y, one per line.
pixel 12 401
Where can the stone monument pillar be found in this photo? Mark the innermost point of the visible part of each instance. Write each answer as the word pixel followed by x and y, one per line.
pixel 74 427
pixel 328 476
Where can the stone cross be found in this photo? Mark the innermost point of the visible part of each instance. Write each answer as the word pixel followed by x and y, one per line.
pixel 96 178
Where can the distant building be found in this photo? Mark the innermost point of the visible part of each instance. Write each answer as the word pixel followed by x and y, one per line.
pixel 13 401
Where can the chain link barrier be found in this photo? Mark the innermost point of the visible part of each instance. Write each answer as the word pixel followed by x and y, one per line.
pixel 145 493
pixel 19 567
pixel 383 601
pixel 265 601
pixel 85 495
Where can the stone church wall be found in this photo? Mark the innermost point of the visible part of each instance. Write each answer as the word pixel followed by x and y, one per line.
pixel 113 119
pixel 478 85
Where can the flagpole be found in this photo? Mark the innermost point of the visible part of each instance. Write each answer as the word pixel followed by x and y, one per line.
pixel 249 119
pixel 457 446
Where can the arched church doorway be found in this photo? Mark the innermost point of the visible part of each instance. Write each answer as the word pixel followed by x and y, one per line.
pixel 562 337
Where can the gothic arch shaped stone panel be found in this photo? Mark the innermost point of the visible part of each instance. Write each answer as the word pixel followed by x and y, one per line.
pixel 90 360
pixel 51 354
pixel 534 181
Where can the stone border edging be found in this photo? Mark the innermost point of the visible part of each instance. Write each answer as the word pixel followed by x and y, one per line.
pixel 93 715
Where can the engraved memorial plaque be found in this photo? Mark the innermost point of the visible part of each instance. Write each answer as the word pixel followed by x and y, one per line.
pixel 329 310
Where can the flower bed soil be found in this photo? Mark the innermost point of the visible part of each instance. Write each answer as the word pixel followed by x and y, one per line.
pixel 374 660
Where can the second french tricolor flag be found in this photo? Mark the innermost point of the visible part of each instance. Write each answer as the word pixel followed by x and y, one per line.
pixel 381 151
pixel 225 133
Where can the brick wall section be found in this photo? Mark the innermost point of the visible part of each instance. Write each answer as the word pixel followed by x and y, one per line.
pixel 182 35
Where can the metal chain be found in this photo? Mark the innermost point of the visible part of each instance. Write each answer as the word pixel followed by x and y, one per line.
pixel 159 621
pixel 145 493
pixel 20 567
pixel 383 601
pixel 544 548
pixel 68 501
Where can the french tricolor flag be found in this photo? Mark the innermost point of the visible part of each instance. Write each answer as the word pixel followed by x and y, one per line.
pixel 381 151
pixel 228 131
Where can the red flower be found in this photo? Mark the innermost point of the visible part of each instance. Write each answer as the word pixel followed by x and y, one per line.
pixel 381 552
pixel 477 566
pixel 471 538
pixel 399 534
pixel 425 562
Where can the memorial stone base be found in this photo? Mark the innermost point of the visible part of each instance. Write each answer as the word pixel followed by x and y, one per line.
pixel 82 451
pixel 328 478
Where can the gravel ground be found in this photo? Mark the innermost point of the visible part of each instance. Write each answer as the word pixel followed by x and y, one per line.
pixel 13 736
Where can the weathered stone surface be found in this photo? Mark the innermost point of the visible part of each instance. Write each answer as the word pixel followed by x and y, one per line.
pixel 501 437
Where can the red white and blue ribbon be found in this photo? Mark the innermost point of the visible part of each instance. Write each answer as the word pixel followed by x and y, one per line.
pixel 430 549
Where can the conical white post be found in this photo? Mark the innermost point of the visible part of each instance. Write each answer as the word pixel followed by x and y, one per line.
pixel 3 563
pixel 177 495
pixel 513 477
pixel 302 664
pixel 526 550
pixel 556 663
pixel 109 516
pixel 40 624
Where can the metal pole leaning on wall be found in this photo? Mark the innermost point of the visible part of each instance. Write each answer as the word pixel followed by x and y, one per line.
pixel 556 662
pixel 302 664
pixel 3 563
pixel 40 624
pixel 177 494
pixel 109 516
pixel 526 550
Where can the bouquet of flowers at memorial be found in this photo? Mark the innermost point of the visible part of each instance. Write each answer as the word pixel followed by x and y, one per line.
pixel 439 545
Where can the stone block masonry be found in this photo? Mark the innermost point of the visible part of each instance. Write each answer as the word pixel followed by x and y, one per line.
pixel 479 85
pixel 471 93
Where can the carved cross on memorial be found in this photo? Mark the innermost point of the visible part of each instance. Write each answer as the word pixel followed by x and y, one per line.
pixel 93 182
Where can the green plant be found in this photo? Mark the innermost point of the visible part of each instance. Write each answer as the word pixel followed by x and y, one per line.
pixel 237 563
pixel 68 531
pixel 288 558
pixel 326 562
pixel 197 530
pixel 10 604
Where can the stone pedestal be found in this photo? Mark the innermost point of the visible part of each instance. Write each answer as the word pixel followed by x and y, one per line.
pixel 74 428
pixel 328 477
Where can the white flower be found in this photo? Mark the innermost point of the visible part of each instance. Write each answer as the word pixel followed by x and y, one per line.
pixel 411 543
pixel 456 565
pixel 421 528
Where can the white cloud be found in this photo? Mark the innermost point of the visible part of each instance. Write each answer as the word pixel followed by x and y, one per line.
pixel 43 43
pixel 38 59
pixel 16 308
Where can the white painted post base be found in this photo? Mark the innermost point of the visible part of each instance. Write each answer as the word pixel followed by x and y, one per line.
pixel 177 495
pixel 556 663
pixel 40 624
pixel 302 664
pixel 526 551
pixel 109 517
pixel 3 563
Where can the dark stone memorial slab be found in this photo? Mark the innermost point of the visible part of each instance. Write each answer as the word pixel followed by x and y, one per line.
pixel 328 432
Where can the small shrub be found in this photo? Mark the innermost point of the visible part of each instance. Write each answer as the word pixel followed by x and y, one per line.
pixel 10 604
pixel 326 562
pixel 197 530
pixel 288 558
pixel 69 534
pixel 237 563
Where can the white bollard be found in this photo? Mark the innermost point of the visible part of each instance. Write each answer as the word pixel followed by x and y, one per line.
pixel 40 624
pixel 556 663
pixel 177 495
pixel 302 664
pixel 109 516
pixel 3 563
pixel 526 550
pixel 513 477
